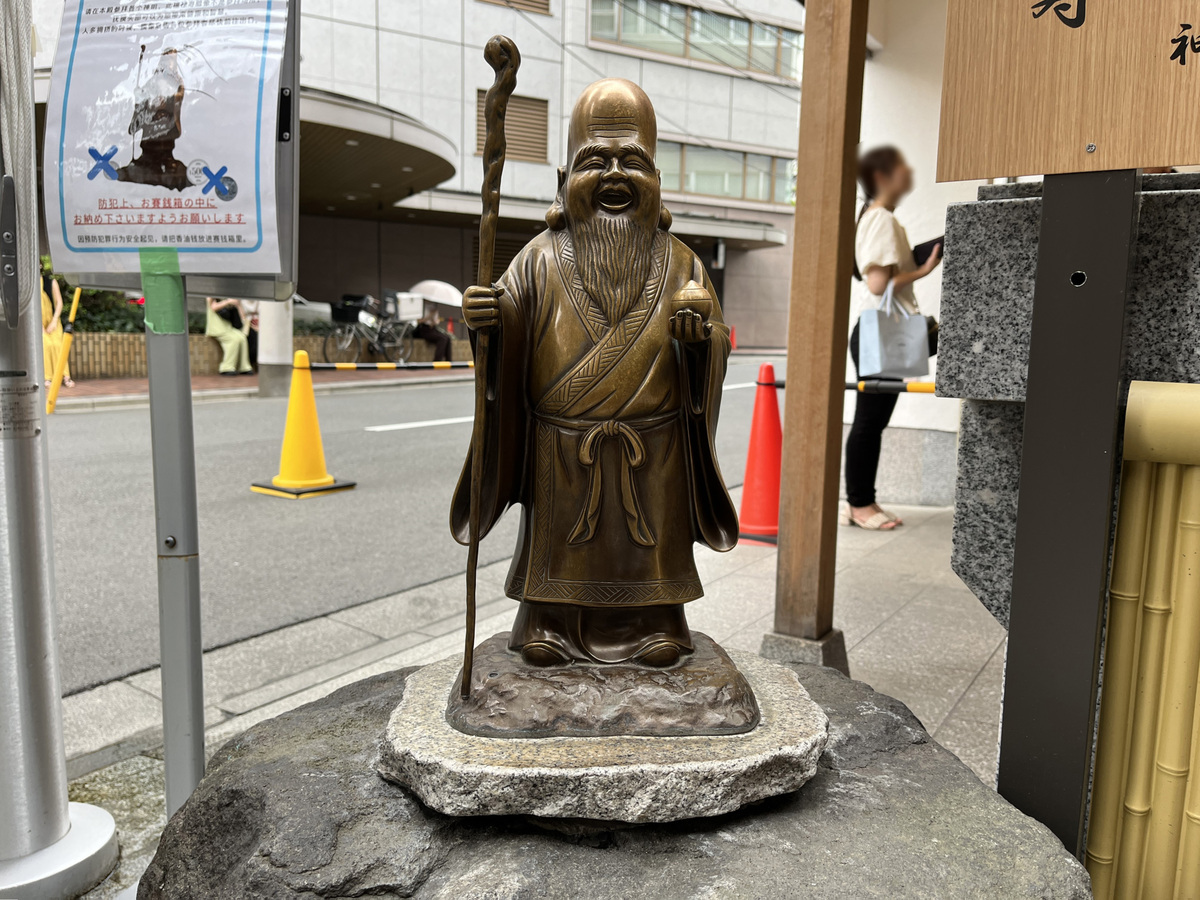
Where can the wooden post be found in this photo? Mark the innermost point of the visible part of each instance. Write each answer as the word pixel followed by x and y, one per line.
pixel 835 46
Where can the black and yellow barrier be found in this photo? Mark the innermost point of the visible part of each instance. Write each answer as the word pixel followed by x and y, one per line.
pixel 387 366
pixel 876 386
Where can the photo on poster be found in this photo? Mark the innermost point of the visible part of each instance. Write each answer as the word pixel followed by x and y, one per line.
pixel 161 132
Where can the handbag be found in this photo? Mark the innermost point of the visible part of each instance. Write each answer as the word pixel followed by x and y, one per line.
pixel 231 315
pixel 892 342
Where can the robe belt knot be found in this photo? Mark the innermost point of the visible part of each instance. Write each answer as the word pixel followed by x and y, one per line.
pixel 633 456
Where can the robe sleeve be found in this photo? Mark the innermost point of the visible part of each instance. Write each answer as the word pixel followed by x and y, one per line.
pixel 506 419
pixel 703 373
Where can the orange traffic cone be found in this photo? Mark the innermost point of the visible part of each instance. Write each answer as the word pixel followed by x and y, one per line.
pixel 302 462
pixel 733 337
pixel 760 491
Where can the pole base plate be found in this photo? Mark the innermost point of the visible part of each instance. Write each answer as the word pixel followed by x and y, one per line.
pixel 73 865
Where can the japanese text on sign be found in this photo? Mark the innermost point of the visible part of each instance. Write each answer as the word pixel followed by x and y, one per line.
pixel 161 133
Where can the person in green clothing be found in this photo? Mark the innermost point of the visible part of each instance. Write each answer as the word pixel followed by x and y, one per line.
pixel 225 324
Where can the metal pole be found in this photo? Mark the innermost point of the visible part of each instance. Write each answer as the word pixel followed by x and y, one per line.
pixel 176 520
pixel 33 774
pixel 1068 469
pixel 48 847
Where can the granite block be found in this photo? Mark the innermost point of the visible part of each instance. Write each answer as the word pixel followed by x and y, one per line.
pixel 987 299
pixel 987 314
pixel 985 505
pixel 625 778
pixel 988 284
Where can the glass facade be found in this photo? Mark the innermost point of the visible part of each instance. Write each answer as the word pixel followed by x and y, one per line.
pixel 677 30
pixel 713 172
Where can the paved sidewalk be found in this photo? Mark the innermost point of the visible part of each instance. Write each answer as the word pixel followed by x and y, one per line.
pixel 912 630
pixel 99 393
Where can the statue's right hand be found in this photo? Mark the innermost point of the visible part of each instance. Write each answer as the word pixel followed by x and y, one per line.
pixel 481 307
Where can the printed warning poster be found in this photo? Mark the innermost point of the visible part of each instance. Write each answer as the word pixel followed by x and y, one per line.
pixel 161 132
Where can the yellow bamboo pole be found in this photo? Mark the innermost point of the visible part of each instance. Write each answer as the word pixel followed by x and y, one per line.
pixel 60 364
pixel 1187 869
pixel 1120 670
pixel 1178 709
pixel 1156 616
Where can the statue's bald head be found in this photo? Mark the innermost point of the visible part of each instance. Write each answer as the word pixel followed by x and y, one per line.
pixel 612 109
pixel 610 168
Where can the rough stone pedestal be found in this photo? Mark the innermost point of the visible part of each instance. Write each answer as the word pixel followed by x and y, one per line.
pixel 615 779
pixel 294 810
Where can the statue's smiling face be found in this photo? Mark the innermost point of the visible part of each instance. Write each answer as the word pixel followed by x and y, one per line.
pixel 613 177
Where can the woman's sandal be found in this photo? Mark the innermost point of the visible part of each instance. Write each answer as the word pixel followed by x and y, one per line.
pixel 875 523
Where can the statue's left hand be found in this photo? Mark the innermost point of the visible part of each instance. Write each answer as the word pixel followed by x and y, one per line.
pixel 688 327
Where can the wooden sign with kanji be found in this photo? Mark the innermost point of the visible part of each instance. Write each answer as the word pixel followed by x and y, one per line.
pixel 1041 87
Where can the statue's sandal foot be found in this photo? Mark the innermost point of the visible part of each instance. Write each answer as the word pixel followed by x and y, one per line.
pixel 659 655
pixel 544 654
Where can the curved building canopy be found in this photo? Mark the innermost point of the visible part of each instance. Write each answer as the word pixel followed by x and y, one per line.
pixel 358 159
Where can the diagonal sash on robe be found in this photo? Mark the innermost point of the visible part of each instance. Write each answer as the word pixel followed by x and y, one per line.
pixel 610 344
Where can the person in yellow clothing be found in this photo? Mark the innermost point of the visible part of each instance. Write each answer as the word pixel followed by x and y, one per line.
pixel 226 324
pixel 52 332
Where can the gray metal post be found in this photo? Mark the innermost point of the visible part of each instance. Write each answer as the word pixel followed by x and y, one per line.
pixel 49 848
pixel 177 532
pixel 33 774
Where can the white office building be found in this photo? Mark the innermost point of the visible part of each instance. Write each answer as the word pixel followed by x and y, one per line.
pixel 392 128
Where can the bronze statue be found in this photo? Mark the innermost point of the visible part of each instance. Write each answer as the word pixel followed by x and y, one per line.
pixel 598 400
pixel 156 115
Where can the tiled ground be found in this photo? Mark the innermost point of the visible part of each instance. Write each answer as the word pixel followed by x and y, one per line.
pixel 912 630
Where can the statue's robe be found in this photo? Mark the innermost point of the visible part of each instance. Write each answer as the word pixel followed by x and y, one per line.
pixel 603 434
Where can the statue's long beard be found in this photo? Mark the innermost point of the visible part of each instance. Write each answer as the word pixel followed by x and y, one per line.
pixel 613 257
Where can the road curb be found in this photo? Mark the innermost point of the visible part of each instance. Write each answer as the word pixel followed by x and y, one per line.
pixel 127 401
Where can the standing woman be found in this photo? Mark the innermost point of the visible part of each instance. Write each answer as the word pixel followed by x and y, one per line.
pixel 884 256
pixel 52 332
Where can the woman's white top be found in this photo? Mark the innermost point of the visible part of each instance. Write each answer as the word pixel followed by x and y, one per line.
pixel 882 241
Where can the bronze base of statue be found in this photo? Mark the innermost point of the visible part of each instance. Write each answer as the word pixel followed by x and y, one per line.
pixel 557 634
pixel 703 694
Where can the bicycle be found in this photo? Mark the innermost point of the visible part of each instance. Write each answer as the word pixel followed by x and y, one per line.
pixel 364 321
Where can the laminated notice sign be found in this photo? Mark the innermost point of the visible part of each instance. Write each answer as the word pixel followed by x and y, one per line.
pixel 161 132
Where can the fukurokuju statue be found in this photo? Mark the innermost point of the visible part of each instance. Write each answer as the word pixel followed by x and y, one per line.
pixel 607 354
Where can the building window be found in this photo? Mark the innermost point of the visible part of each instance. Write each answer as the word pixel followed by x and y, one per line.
pixel 677 30
pixel 526 127
pixel 537 6
pixel 713 172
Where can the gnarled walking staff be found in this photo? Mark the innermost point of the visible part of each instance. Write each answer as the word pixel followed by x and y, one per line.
pixel 503 56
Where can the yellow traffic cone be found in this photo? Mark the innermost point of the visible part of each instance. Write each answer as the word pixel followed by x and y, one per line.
pixel 302 462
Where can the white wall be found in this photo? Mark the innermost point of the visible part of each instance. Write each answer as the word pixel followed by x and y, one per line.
pixel 902 106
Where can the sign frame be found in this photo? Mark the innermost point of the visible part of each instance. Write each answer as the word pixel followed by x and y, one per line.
pixel 278 286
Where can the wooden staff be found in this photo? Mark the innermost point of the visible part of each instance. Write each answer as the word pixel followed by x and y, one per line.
pixel 503 56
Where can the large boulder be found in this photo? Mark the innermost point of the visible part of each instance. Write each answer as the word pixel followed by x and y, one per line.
pixel 293 808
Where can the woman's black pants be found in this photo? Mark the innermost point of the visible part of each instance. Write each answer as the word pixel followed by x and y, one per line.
pixel 872 412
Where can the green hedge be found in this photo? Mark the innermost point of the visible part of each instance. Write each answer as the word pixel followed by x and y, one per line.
pixel 110 311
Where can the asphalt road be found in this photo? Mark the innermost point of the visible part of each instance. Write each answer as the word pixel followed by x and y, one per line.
pixel 265 562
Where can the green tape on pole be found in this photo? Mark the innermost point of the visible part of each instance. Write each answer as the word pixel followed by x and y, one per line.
pixel 166 304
